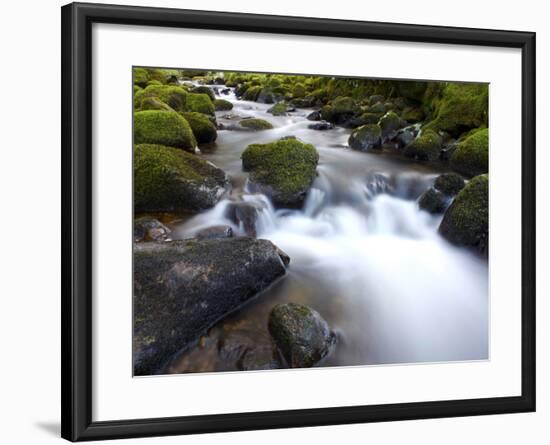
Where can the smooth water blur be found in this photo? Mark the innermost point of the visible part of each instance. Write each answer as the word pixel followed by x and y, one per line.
pixel 362 254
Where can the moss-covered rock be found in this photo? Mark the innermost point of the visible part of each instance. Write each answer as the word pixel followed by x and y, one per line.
pixel 173 96
pixel 298 91
pixel 203 129
pixel 222 105
pixel 200 103
pixel 471 157
pixel 256 124
pixel 466 221
pixel 426 147
pixel 164 128
pixel 413 115
pixel 141 77
pixel 154 103
pixel 252 93
pixel 366 138
pixel 167 179
pixel 340 110
pixel 449 183
pixel 389 124
pixel 412 90
pixel 301 334
pixel 279 109
pixel 459 107
pixel 283 169
pixel 202 89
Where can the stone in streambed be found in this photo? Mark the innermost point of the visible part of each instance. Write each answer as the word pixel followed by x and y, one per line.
pixel 471 156
pixel 182 288
pixel 167 179
pixel 321 125
pixel 255 124
pixel 438 197
pixel 243 214
pixel 283 170
pixel 466 221
pixel 389 124
pixel 301 334
pixel 147 228
pixel 365 138
pixel 214 232
pixel 164 128
pixel 426 147
pixel 340 110
pixel 314 116
pixel 204 130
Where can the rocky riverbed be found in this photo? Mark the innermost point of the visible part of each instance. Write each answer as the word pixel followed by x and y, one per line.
pixel 295 221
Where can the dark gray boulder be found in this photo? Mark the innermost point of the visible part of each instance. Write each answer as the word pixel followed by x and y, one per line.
pixel 302 336
pixel 438 197
pixel 366 138
pixel 314 116
pixel 214 232
pixel 243 214
pixel 321 125
pixel 182 288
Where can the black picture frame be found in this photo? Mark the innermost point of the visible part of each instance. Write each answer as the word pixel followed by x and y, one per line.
pixel 76 415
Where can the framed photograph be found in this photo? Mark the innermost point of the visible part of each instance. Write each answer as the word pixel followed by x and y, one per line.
pixel 275 222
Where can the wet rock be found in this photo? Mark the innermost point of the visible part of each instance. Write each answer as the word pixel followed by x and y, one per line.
pixel 340 110
pixel 466 221
pixel 259 358
pixel 404 137
pixel 147 228
pixel 438 197
pixel 375 98
pixel 471 157
pixel 366 138
pixel 255 124
pixel 279 109
pixel 389 124
pixel 283 170
pixel 426 147
pixel 302 336
pixel 167 179
pixel 321 125
pixel 314 116
pixel 243 214
pixel 178 287
pixel 363 119
pixel 214 232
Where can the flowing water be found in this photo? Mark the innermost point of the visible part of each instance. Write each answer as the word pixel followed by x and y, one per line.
pixel 362 254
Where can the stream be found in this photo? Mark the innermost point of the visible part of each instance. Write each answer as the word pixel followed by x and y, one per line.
pixel 362 254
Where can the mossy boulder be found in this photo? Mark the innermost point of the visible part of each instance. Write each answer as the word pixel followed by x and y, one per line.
pixel 256 124
pixel 366 138
pixel 173 96
pixel 298 91
pixel 302 336
pixel 459 107
pixel 283 169
pixel 164 128
pixel 426 147
pixel 340 110
pixel 279 109
pixel 438 197
pixel 141 77
pixel 204 90
pixel 364 119
pixel 203 129
pixel 466 221
pixel 154 103
pixel 389 124
pixel 412 90
pixel 252 93
pixel 413 115
pixel 167 179
pixel 471 157
pixel 222 105
pixel 200 103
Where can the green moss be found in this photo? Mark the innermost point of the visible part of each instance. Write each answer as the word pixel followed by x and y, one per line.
pixel 200 103
pixel 162 127
pixel 222 105
pixel 279 109
pixel 141 77
pixel 413 115
pixel 168 179
pixel 412 90
pixel 426 147
pixel 154 82
pixel 154 103
pixel 252 93
pixel 365 138
pixel 299 90
pixel 459 107
pixel 136 88
pixel 471 158
pixel 449 183
pixel 466 221
pixel 204 90
pixel 285 169
pixel 340 110
pixel 174 96
pixel 203 129
pixel 389 123
pixel 256 124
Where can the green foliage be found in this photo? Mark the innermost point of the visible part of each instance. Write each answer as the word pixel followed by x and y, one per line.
pixel 256 124
pixel 286 167
pixel 459 107
pixel 466 221
pixel 164 128
pixel 200 103
pixel 471 158
pixel 174 96
pixel 425 147
pixel 167 179
pixel 203 129
pixel 222 105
